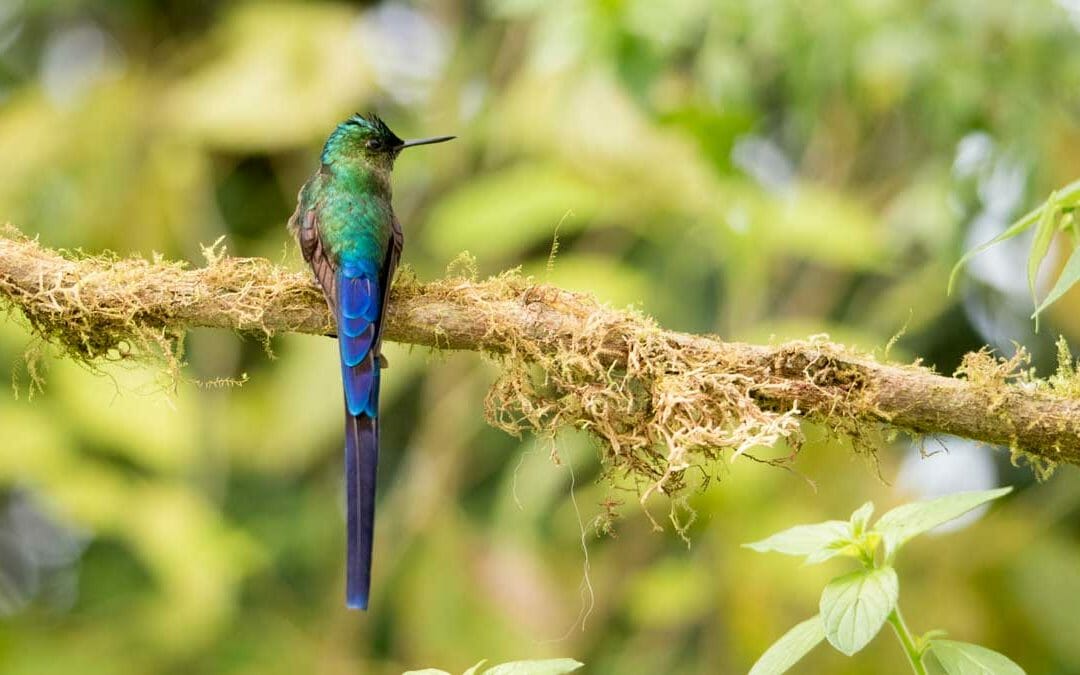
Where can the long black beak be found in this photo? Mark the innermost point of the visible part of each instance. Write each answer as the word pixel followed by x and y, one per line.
pixel 426 141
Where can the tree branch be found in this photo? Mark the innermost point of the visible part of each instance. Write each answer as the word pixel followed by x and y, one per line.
pixel 612 372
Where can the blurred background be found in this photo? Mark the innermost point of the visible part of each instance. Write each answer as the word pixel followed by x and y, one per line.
pixel 761 170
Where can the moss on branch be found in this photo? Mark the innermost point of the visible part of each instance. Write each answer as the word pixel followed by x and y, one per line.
pixel 660 401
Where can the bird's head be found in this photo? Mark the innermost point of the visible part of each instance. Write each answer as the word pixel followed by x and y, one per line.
pixel 366 139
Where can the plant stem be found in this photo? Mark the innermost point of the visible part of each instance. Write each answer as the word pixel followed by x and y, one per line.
pixel 907 641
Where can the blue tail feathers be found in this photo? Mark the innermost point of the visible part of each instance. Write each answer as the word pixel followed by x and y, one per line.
pixel 361 460
pixel 358 310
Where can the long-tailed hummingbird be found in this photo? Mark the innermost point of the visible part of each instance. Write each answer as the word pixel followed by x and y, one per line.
pixel 349 236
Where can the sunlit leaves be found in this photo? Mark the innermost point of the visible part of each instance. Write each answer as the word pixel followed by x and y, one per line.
pixel 1068 278
pixel 821 541
pixel 861 518
pixel 855 606
pixel 817 542
pixel 904 522
pixel 1055 215
pixel 1040 246
pixel 792 646
pixel 544 667
pixel 535 667
pixel 962 658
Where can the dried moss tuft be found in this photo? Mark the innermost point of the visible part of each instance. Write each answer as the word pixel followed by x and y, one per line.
pixel 104 308
pixel 658 407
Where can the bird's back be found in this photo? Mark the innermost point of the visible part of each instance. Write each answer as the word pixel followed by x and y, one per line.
pixel 354 220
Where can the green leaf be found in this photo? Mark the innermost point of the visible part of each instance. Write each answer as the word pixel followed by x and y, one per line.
pixel 817 542
pixel 842 547
pixel 1069 277
pixel 1044 235
pixel 475 669
pixel 904 522
pixel 855 606
pixel 1066 197
pixel 934 634
pixel 964 658
pixel 1017 228
pixel 426 671
pixel 792 646
pixel 861 517
pixel 541 667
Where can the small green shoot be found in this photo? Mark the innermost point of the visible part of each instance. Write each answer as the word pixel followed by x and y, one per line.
pixel 538 667
pixel 1056 214
pixel 964 657
pixel 855 606
pixel 795 644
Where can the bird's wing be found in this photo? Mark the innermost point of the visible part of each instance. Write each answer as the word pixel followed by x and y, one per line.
pixel 393 255
pixel 305 227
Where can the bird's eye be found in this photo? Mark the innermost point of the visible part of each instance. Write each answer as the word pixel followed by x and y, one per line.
pixel 374 144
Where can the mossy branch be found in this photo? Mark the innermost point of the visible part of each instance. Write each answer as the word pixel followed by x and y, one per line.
pixel 662 401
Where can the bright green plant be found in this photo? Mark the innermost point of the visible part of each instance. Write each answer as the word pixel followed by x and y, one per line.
pixel 855 606
pixel 539 667
pixel 1056 214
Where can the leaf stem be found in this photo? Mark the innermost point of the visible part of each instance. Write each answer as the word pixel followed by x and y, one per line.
pixel 913 653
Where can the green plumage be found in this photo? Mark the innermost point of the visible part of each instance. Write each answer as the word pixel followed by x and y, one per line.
pixel 348 234
pixel 352 192
pixel 355 217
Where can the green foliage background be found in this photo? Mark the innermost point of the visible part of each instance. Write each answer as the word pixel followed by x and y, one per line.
pixel 760 170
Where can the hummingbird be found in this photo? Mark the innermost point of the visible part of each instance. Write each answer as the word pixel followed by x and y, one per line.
pixel 348 234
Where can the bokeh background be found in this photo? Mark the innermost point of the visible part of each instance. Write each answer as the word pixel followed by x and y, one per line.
pixel 761 170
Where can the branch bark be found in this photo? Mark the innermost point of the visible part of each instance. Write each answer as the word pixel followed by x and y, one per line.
pixel 88 304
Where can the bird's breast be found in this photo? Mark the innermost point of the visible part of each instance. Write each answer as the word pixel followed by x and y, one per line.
pixel 355 226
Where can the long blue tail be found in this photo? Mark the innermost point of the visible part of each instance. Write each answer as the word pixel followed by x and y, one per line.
pixel 358 300
pixel 361 462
